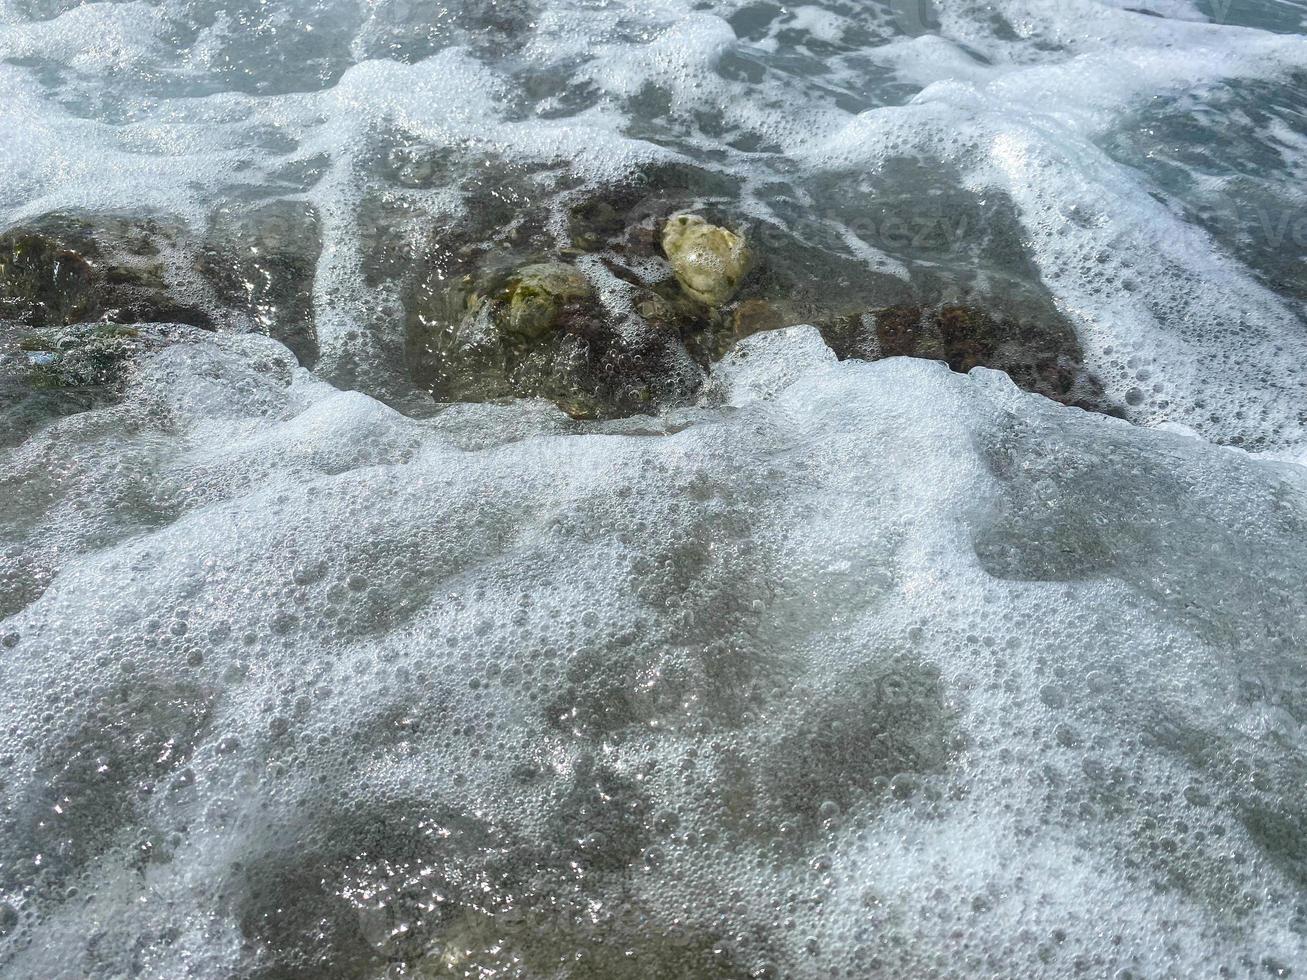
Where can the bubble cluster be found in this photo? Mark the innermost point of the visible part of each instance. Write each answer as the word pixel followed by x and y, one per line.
pixel 872 669
pixel 830 669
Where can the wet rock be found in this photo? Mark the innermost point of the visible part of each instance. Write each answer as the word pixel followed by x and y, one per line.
pixel 1040 354
pixel 50 373
pixel 888 720
pixel 483 324
pixel 251 270
pixel 709 338
pixel 595 223
pixel 710 262
pixel 541 298
pixel 66 269
pixel 295 900
pixel 78 357
pixel 527 324
pixel 602 822
pixel 41 379
pixel 450 894
pixel 536 328
pixel 415 30
pixel 632 944
pixel 753 316
pixel 87 792
pixel 43 281
pixel 260 263
pixel 661 312
pixel 694 287
pixel 627 217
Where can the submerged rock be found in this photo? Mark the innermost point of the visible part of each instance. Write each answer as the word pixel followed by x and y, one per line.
pixel 504 313
pixel 1041 355
pixel 627 217
pixel 537 328
pixel 89 355
pixel 260 263
pixel 50 373
pixel 251 270
pixel 594 222
pixel 42 281
pixel 710 262
pixel 67 269
pixel 630 945
pixel 753 316
pixel 540 297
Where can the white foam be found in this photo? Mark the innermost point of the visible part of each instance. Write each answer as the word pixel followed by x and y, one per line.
pixel 316 568
pixel 1154 298
pixel 1023 113
pixel 849 669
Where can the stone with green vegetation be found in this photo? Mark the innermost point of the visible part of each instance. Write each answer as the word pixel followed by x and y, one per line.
pixel 505 314
pixel 80 356
pixel 710 261
pixel 75 268
pixel 540 298
pixel 535 327
pixel 52 372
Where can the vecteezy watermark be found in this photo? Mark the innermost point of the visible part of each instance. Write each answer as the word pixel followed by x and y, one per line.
pixel 1261 224
pixel 891 233
pixel 914 17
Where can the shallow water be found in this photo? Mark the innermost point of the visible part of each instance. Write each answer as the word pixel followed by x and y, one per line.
pixel 333 664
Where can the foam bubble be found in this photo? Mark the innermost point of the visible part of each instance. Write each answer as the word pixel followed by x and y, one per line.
pixel 846 669
pixel 878 665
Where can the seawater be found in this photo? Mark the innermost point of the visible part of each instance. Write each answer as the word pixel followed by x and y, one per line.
pixel 833 669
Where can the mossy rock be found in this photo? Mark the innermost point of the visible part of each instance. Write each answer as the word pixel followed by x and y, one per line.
pixel 541 298
pixel 535 328
pixel 709 261
pixel 50 373
pixel 67 269
pixel 90 355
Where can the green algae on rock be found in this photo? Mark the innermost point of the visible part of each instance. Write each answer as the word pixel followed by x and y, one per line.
pixel 710 262
pixel 50 373
pixel 80 356
pixel 529 326
pixel 71 268
pixel 540 296
pixel 504 313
